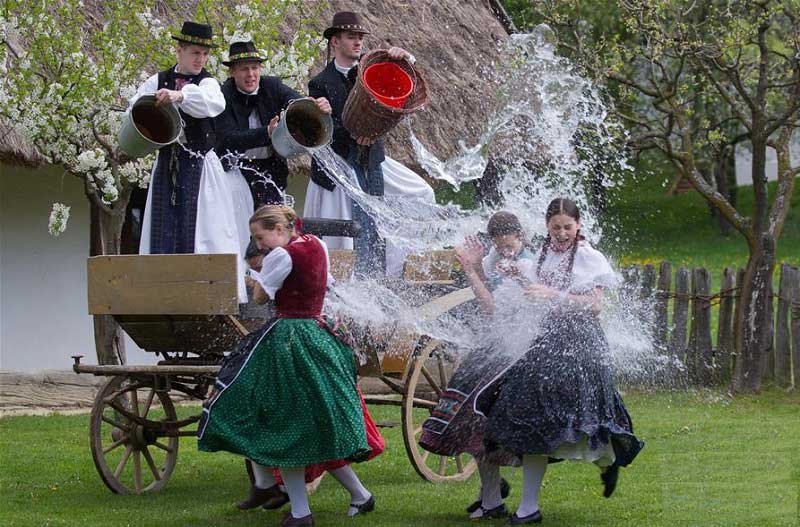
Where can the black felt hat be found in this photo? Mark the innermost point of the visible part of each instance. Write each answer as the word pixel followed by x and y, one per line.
pixel 194 33
pixel 242 52
pixel 345 21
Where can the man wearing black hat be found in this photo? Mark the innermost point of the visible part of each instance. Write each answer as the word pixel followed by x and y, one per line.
pixel 189 206
pixel 253 104
pixel 345 38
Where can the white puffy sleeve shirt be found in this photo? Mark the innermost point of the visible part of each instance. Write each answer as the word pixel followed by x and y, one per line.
pixel 277 265
pixel 199 100
pixel 590 269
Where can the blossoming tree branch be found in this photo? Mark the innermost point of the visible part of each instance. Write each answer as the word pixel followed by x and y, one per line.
pixel 68 70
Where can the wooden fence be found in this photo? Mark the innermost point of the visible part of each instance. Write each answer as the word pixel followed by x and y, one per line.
pixel 687 334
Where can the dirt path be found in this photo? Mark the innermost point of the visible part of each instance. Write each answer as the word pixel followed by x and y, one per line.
pixel 63 391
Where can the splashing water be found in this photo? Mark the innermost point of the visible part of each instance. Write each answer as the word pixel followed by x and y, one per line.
pixel 550 137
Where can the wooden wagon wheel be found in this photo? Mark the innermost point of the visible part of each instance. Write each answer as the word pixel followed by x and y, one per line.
pixel 426 377
pixel 129 448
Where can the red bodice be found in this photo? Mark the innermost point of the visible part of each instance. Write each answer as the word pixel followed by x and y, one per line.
pixel 303 291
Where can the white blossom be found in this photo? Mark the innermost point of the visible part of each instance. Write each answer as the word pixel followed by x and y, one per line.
pixel 59 215
pixel 90 161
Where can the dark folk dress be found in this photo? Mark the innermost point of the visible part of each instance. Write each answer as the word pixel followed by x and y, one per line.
pixel 559 399
pixel 288 397
pixel 454 426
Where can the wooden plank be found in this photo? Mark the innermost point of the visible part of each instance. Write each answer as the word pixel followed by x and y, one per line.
pixel 199 334
pixel 677 345
pixel 701 326
pixel 398 350
pixel 737 308
pixel 783 346
pixel 341 263
pixel 724 355
pixel 166 284
pixel 434 265
pixel 768 357
pixel 661 306
pixel 795 324
pixel 631 281
pixel 648 281
pixel 691 348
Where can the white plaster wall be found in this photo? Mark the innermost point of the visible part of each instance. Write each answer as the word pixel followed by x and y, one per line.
pixel 744 163
pixel 43 308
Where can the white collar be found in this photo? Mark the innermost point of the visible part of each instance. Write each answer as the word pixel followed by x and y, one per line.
pixel 341 69
pixel 254 92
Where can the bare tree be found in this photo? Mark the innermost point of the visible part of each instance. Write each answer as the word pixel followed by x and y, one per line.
pixel 693 78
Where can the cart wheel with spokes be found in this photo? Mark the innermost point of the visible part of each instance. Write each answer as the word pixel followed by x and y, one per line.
pixel 129 442
pixel 426 379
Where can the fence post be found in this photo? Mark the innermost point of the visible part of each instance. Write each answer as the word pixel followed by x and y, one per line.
pixel 795 316
pixel 783 346
pixel 677 344
pixel 737 307
pixel 648 281
pixel 768 358
pixel 724 355
pixel 632 284
pixel 701 360
pixel 661 306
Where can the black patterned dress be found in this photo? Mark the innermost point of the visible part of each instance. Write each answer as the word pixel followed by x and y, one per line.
pixel 559 398
pixel 453 426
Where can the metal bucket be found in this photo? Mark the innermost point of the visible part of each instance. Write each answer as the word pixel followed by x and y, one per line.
pixel 147 127
pixel 302 129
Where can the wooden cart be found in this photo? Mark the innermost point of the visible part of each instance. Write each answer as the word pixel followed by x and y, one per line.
pixel 184 309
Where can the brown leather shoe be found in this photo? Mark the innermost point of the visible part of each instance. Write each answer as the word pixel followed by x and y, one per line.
pixel 259 497
pixel 291 521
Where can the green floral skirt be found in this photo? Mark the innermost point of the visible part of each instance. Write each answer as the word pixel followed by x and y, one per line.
pixel 287 400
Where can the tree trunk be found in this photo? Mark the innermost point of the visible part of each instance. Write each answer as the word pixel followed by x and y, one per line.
pixel 751 324
pixel 106 237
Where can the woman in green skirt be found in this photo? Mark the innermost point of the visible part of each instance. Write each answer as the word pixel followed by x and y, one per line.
pixel 287 397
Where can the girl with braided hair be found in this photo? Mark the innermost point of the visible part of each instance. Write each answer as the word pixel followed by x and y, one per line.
pixel 558 401
pixel 287 397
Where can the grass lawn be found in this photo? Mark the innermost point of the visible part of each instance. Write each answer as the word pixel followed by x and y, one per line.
pixel 653 227
pixel 709 460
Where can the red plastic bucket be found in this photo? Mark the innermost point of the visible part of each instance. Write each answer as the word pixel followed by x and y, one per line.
pixel 389 83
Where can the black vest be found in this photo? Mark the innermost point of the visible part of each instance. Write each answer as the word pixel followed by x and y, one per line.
pixel 199 132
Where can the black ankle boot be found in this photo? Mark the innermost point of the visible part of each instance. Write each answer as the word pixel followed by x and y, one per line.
pixel 609 477
pixel 505 490
pixel 258 497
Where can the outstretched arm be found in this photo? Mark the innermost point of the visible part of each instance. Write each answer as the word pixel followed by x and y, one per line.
pixel 470 256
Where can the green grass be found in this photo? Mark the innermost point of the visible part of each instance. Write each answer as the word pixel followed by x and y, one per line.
pixel 709 461
pixel 653 227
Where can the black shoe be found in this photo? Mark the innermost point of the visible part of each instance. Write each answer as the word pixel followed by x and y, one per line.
pixel 277 500
pixel 291 521
pixel 367 506
pixel 505 490
pixel 536 517
pixel 498 512
pixel 258 497
pixel 610 477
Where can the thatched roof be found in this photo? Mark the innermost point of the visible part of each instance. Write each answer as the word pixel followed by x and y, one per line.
pixel 455 43
pixel 15 150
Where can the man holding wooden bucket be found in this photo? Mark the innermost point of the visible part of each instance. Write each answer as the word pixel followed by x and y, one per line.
pixel 345 38
pixel 253 104
pixel 189 205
